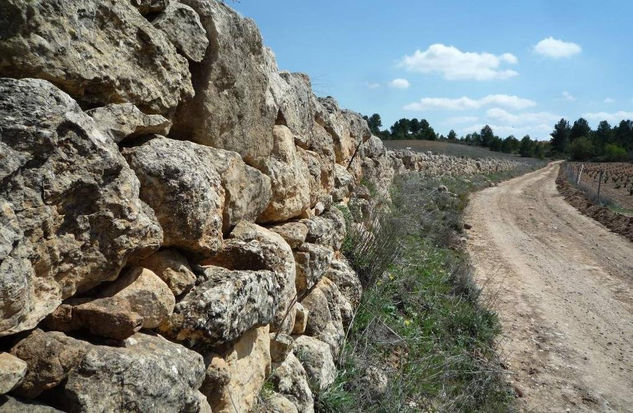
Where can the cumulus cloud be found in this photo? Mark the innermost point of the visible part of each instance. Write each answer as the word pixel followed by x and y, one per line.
pixel 609 100
pixel 556 48
pixel 400 83
pixel 533 118
pixel 509 101
pixel 454 64
pixel 568 96
pixel 612 117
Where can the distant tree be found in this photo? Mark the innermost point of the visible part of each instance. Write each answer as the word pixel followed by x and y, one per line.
pixel 452 136
pixel 487 136
pixel 374 122
pixel 400 129
pixel 414 128
pixel 602 136
pixel 581 128
pixel 560 137
pixel 526 148
pixel 615 153
pixel 510 145
pixel 581 149
pixel 623 135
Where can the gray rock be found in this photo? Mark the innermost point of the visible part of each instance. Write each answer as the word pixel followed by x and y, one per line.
pixel 183 28
pixel 98 51
pixel 148 374
pixel 224 305
pixel 150 6
pixel 9 404
pixel 312 261
pixel 124 120
pixel 290 380
pixel 327 229
pixel 346 280
pixel 12 372
pixel 172 268
pixel 342 183
pixel 316 358
pixel 184 190
pixel 293 232
pixel 70 211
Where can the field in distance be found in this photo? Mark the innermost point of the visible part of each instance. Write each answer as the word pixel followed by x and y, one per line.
pixel 454 149
pixel 616 189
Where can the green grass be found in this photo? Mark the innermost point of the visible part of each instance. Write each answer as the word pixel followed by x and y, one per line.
pixel 421 322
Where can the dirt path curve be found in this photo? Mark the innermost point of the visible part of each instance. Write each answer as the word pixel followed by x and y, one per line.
pixel 563 287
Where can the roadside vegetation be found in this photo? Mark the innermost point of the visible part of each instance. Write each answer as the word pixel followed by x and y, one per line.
pixel 422 339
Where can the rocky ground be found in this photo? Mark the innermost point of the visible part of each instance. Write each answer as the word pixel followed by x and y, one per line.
pixel 169 239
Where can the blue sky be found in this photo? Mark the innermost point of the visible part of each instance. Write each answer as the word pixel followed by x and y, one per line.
pixel 516 65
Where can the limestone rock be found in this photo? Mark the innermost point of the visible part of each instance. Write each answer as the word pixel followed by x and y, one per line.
pixel 312 262
pixel 12 372
pixel 293 232
pixel 9 404
pixel 69 204
pixel 252 247
pixel 109 317
pixel 289 178
pixel 99 52
pixel 50 356
pixel 233 108
pixel 183 189
pixel 224 305
pixel 327 229
pixel 276 403
pixel 125 121
pixel 346 280
pixel 290 380
pixel 293 93
pixel 280 346
pixel 146 294
pixel 183 28
pixel 150 6
pixel 172 268
pixel 301 319
pixel 148 374
pixel 248 364
pixel 316 358
pixel 342 183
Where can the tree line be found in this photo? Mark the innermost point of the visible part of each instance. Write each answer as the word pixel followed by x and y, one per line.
pixel 421 129
pixel 581 143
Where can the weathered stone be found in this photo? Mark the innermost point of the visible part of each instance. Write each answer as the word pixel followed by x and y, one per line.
pixel 146 294
pixel 10 404
pixel 233 108
pixel 327 308
pixel 312 262
pixel 49 356
pixel 172 268
pixel 12 372
pixel 150 6
pixel 124 120
pixel 148 374
pixel 290 380
pixel 280 346
pixel 224 305
pixel 346 280
pixel 289 179
pixel 374 148
pixel 247 364
pixel 109 317
pixel 183 28
pixel 184 190
pixel 301 319
pixel 293 232
pixel 327 229
pixel 217 377
pixel 69 204
pixel 205 407
pixel 99 52
pixel 375 381
pixel 316 358
pixel 276 403
pixel 342 183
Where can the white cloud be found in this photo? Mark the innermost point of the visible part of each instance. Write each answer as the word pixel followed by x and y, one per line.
pixel 613 117
pixel 509 101
pixel 454 64
pixel 609 100
pixel 460 119
pixel 568 96
pixel 533 118
pixel 373 85
pixel 556 48
pixel 400 83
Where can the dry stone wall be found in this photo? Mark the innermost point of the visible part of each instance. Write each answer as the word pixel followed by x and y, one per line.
pixel 169 230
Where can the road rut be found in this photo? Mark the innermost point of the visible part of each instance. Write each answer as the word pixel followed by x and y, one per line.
pixel 562 285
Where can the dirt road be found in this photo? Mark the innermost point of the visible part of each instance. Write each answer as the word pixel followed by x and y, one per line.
pixel 563 287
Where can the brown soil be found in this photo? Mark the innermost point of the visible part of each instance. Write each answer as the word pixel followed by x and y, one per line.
pixel 562 285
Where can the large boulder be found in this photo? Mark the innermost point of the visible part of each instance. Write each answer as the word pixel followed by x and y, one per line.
pixel 184 190
pixel 246 365
pixel 316 358
pixel 312 262
pixel 12 372
pixel 233 107
pixel 183 28
pixel 10 404
pixel 224 305
pixel 69 204
pixel 125 121
pixel 346 280
pixel 251 247
pixel 327 229
pixel 147 374
pixel 289 379
pixel 98 51
pixel 294 233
